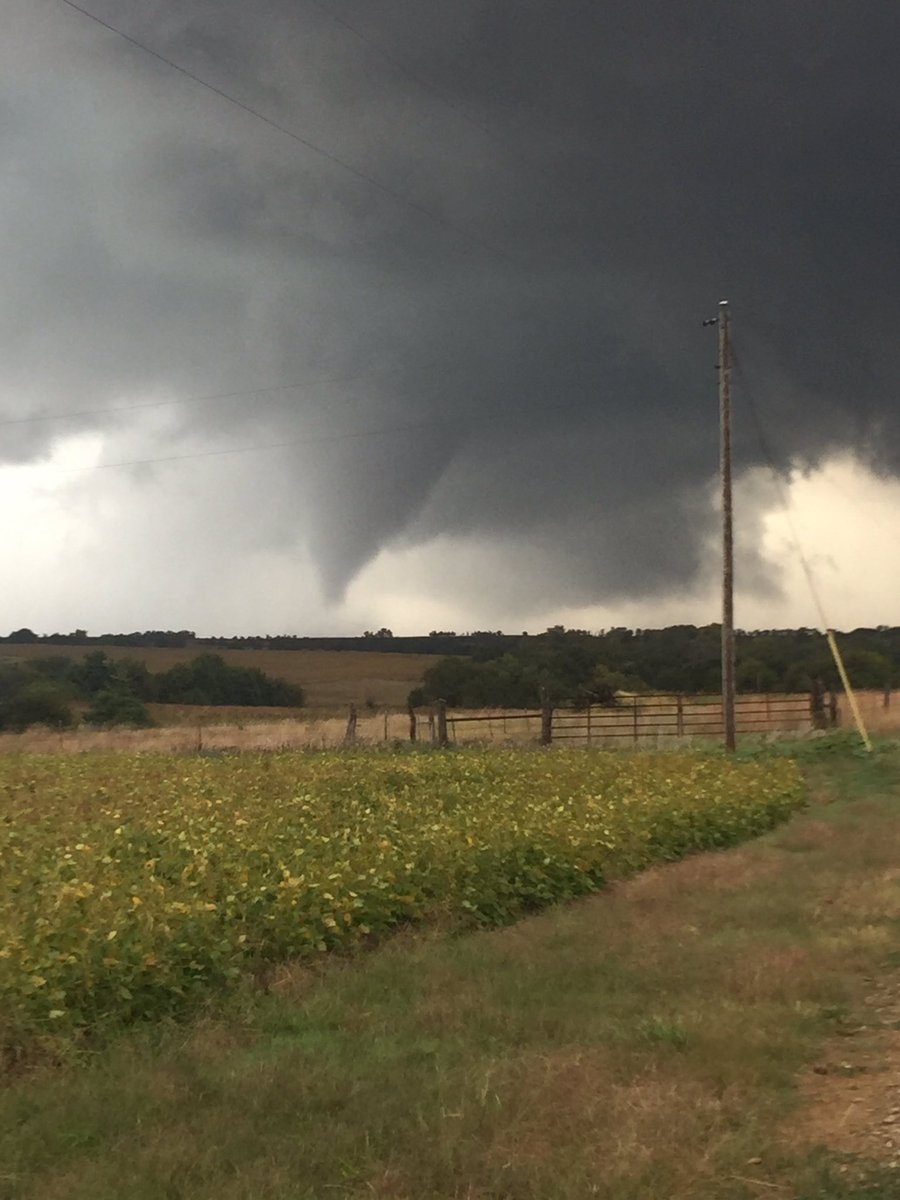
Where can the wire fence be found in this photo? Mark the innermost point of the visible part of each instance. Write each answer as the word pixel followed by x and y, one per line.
pixel 659 720
pixel 632 719
pixel 636 719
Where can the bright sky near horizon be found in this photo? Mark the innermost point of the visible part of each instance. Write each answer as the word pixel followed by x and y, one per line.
pixel 102 547
pixel 445 267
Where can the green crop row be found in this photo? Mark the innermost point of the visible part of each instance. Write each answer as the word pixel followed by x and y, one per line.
pixel 131 886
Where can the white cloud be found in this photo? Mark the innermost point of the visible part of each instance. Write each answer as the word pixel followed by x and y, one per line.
pixel 180 545
pixel 845 519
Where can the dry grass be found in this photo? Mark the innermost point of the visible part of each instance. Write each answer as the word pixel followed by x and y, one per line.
pixel 185 729
pixel 298 732
pixel 495 725
pixel 625 1127
pixel 878 717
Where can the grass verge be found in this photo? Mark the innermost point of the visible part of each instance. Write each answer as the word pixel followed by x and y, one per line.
pixel 641 1043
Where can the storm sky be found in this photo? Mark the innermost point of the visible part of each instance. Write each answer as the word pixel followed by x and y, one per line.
pixel 418 340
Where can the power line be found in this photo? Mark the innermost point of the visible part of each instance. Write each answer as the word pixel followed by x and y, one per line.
pixel 312 441
pixel 348 435
pixel 837 399
pixel 496 137
pixel 826 626
pixel 753 408
pixel 127 408
pixel 305 142
pixel 404 69
pixel 755 416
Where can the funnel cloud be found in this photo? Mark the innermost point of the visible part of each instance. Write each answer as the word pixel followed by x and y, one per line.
pixel 477 255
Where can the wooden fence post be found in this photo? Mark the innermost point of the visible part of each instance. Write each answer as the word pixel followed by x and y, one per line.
pixel 442 723
pixel 350 734
pixel 546 718
pixel 634 718
pixel 817 705
pixel 679 716
pixel 413 730
pixel 887 695
pixel 834 716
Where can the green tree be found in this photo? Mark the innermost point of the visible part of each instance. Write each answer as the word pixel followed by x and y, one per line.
pixel 117 706
pixel 55 667
pixel 208 679
pixel 753 675
pixel 40 702
pixel 94 673
pixel 23 637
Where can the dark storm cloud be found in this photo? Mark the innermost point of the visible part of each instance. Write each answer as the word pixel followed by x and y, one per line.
pixel 600 174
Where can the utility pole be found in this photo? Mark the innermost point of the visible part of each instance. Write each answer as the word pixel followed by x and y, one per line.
pixel 727 526
pixel 724 366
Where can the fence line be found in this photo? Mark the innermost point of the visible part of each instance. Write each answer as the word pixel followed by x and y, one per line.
pixel 635 718
pixel 676 717
pixel 693 716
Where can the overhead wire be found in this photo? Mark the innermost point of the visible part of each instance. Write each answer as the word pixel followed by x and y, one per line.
pixel 826 626
pixel 755 415
pixel 300 139
pixel 756 418
pixel 213 396
pixel 308 144
pixel 402 67
pixel 316 439
pixel 836 399
pixel 496 137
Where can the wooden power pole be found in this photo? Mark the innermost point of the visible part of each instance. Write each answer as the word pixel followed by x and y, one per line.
pixel 728 711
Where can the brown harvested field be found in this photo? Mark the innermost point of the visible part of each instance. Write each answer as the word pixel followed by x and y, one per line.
pixel 330 678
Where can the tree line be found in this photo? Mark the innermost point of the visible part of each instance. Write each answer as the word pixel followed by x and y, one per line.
pixel 117 692
pixel 679 658
pixel 380 640
pixel 577 667
pixel 492 668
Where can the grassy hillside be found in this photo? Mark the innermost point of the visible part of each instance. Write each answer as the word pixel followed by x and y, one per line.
pixel 330 678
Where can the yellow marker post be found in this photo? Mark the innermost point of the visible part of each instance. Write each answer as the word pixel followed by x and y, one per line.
pixel 851 695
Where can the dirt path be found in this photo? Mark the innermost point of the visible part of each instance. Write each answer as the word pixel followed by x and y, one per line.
pixel 852 1095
